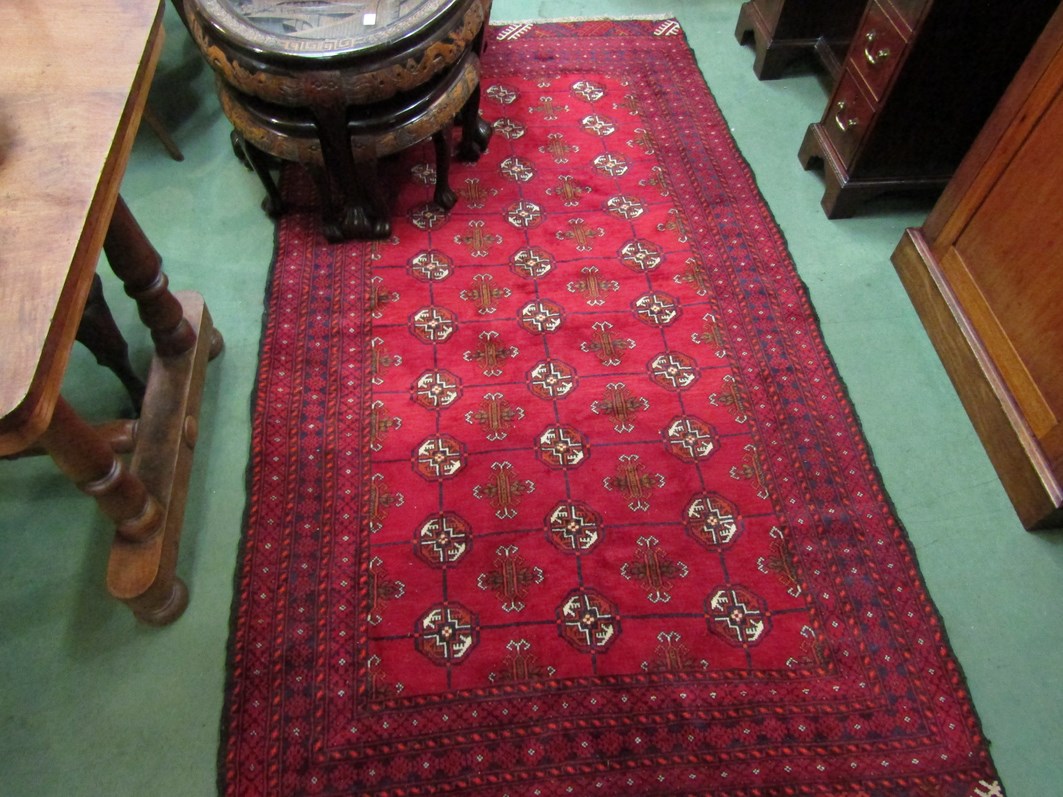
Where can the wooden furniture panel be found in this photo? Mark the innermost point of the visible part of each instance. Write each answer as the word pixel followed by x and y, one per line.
pixel 785 30
pixel 1023 311
pixel 931 71
pixel 986 274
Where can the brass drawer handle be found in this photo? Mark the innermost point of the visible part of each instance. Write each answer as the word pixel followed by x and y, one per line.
pixel 844 125
pixel 874 58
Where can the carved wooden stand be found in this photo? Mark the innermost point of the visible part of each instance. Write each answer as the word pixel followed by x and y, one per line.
pixel 337 88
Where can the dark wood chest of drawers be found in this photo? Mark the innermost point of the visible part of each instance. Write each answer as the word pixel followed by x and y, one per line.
pixel 918 82
pixel 785 30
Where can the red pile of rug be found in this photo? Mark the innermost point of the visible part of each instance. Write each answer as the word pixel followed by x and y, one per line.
pixel 558 492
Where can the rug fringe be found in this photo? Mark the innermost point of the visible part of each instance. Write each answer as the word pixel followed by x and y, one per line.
pixel 510 30
pixel 547 20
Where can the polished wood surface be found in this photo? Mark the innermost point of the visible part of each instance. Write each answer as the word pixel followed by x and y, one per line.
pixel 65 136
pixel 73 86
pixel 986 274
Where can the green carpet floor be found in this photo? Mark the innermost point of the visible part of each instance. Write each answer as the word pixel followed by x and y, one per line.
pixel 93 704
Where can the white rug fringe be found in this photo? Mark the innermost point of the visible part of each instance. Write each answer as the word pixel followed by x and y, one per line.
pixel 544 20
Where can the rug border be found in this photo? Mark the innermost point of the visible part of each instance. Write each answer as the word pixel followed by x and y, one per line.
pixel 241 544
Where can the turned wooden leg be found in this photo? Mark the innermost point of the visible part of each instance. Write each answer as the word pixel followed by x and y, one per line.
pixel 146 499
pixel 135 261
pixel 101 336
pixel 88 460
pixel 444 195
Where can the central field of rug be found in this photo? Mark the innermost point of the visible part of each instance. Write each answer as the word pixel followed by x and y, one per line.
pixel 559 493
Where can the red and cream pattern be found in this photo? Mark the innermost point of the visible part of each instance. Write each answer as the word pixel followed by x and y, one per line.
pixel 558 493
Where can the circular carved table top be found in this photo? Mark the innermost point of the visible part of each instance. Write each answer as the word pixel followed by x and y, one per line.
pixel 321 30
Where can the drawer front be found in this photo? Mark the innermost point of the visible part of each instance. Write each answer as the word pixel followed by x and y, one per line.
pixel 876 51
pixel 847 118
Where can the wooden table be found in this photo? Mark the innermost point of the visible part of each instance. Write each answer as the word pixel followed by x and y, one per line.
pixel 73 83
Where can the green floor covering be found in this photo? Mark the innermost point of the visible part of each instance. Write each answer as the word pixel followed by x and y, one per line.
pixel 93 704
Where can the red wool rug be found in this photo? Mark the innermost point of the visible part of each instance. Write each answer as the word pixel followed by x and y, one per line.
pixel 558 493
